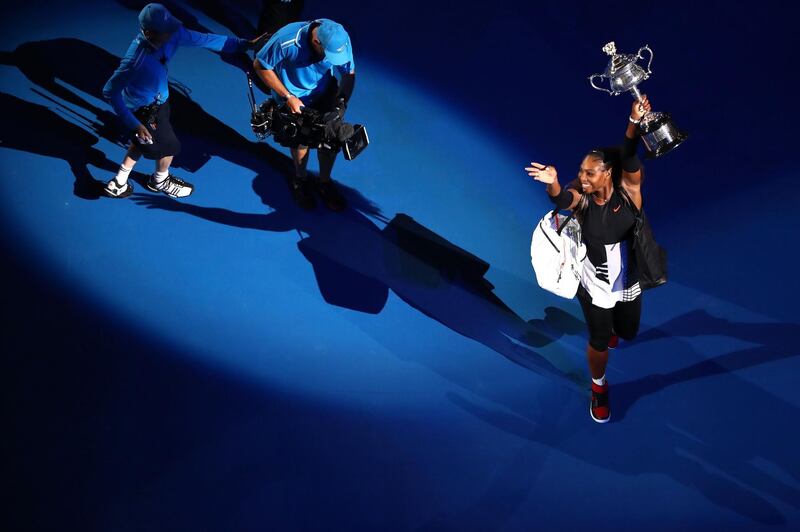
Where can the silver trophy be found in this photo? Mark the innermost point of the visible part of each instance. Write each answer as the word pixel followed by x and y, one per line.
pixel 659 133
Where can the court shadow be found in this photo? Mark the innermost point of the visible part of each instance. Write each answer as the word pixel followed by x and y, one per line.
pixel 36 129
pixel 702 425
pixel 355 261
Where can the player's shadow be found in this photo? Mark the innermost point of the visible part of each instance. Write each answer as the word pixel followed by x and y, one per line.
pixel 355 262
pixel 447 284
pixel 724 436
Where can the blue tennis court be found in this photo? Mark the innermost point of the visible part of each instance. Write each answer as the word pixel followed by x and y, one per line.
pixel 230 361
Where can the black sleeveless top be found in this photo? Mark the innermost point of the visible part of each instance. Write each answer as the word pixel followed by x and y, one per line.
pixel 609 273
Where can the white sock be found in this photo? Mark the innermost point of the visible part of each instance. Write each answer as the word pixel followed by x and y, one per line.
pixel 122 175
pixel 161 176
pixel 601 381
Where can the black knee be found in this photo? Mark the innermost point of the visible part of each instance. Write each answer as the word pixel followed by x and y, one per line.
pixel 627 331
pixel 168 148
pixel 599 342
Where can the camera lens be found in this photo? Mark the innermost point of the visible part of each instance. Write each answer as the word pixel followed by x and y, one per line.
pixel 290 130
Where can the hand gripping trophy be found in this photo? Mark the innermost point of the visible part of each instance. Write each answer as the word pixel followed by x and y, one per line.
pixel 659 134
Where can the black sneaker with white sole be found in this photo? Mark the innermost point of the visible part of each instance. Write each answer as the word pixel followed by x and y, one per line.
pixel 171 186
pixel 115 190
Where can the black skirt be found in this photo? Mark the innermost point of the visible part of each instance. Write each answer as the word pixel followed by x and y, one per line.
pixel 165 143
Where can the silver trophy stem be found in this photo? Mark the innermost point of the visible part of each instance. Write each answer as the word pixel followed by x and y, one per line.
pixel 638 96
pixel 659 133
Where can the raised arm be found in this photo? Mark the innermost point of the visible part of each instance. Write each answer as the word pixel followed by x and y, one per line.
pixel 562 198
pixel 631 165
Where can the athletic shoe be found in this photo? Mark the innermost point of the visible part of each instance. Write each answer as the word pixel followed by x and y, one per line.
pixel 115 190
pixel 599 408
pixel 171 186
pixel 332 196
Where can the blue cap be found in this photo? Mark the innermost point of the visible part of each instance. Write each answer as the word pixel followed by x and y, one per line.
pixel 336 42
pixel 155 17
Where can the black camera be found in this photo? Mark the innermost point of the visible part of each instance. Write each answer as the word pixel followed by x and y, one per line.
pixel 310 128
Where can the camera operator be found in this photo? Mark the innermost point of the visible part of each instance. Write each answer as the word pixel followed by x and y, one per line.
pixel 138 91
pixel 310 63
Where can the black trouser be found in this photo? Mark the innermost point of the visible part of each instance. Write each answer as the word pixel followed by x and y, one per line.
pixel 165 143
pixel 623 318
pixel 325 102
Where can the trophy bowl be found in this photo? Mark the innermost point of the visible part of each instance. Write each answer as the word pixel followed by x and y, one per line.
pixel 659 134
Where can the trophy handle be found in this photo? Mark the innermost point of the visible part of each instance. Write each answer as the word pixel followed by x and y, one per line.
pixel 640 56
pixel 591 82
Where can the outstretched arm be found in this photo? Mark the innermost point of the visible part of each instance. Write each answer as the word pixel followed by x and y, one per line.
pixel 212 41
pixel 563 198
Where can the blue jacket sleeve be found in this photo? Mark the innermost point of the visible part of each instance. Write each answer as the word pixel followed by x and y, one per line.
pixel 112 92
pixel 271 54
pixel 211 41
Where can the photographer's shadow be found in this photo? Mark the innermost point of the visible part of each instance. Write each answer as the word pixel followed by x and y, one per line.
pixel 329 244
pixel 356 263
pixel 432 275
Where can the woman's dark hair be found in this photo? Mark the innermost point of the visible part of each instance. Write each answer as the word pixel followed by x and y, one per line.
pixel 611 157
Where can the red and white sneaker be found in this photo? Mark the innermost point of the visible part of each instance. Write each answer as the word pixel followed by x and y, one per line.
pixel 613 342
pixel 599 408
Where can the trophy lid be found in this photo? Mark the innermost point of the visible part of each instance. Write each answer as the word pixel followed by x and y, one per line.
pixel 618 61
pixel 622 72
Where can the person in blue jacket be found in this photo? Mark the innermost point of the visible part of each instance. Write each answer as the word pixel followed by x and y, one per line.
pixel 139 91
pixel 310 63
